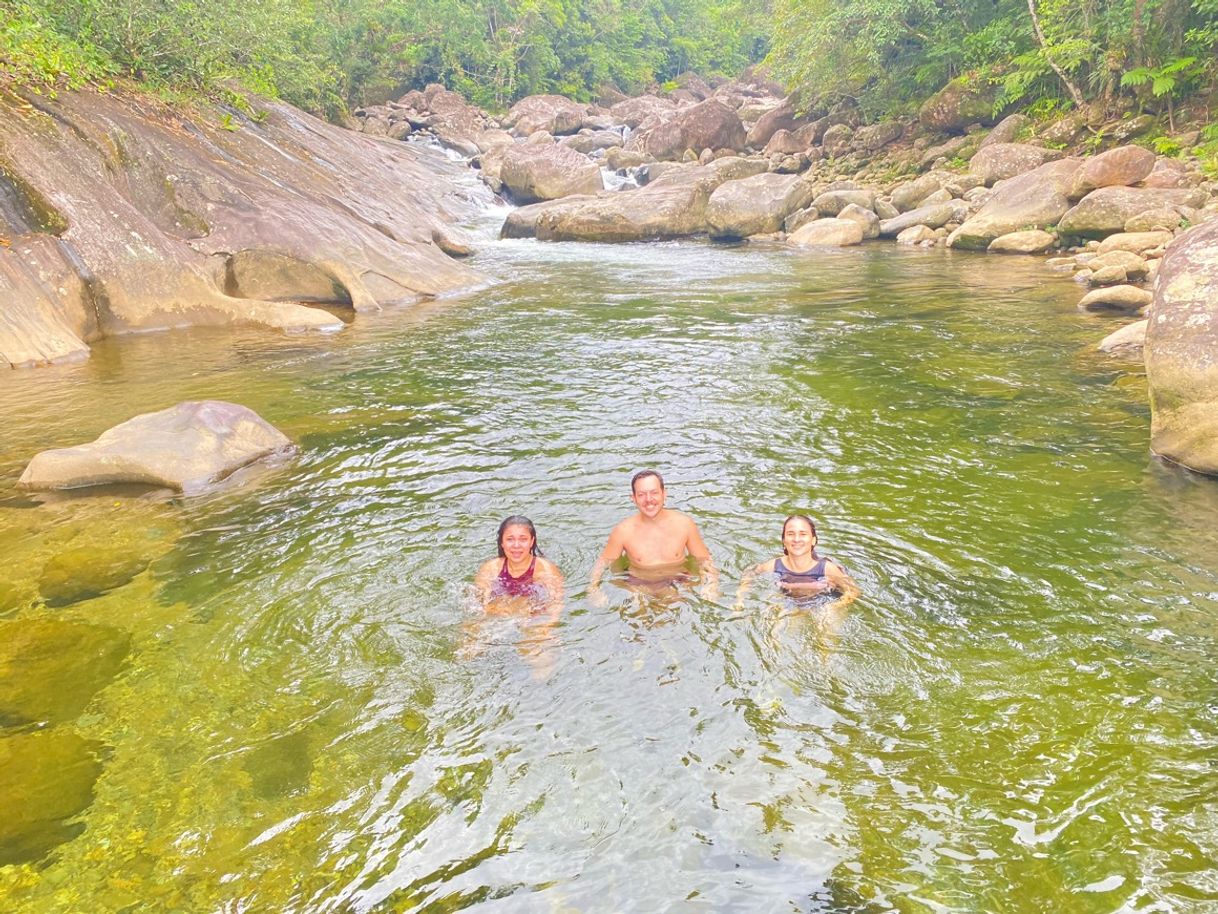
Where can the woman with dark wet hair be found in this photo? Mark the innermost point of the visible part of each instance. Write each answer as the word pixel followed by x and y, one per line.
pixel 799 572
pixel 519 575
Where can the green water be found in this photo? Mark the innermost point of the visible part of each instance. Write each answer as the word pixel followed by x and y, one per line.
pixel 270 698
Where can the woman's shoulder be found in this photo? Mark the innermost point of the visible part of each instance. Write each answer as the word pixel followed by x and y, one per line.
pixel 490 566
pixel 545 566
pixel 767 567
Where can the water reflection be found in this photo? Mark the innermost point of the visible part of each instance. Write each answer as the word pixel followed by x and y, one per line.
pixel 307 714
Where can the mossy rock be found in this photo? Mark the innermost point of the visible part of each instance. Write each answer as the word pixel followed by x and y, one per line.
pixel 48 780
pixel 50 669
pixel 86 571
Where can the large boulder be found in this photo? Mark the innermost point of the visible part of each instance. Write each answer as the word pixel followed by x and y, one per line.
pixel 708 125
pixel 999 161
pixel 1115 298
pixel 671 206
pixel 785 142
pixel 187 447
pixel 1118 167
pixel 1006 130
pixel 832 202
pixel 1182 352
pixel 555 114
pixel 837 140
pixel 963 101
pixel 933 215
pixel 782 117
pixel 590 141
pixel 874 137
pixel 909 195
pixel 1105 211
pixel 831 232
pixel 538 171
pixel 190 199
pixel 756 205
pixel 1036 199
pixel 635 112
pixel 1032 241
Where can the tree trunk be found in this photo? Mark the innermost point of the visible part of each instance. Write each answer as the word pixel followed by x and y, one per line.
pixel 1075 94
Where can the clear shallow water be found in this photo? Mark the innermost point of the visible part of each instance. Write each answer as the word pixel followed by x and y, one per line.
pixel 269 699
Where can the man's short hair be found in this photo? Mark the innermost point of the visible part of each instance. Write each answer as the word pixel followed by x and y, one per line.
pixel 643 474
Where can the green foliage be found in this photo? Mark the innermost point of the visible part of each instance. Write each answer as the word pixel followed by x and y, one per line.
pixel 327 54
pixel 1167 79
pixel 891 53
pixel 1165 146
pixel 34 54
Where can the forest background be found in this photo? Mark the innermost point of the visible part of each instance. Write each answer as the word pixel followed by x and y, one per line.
pixel 887 56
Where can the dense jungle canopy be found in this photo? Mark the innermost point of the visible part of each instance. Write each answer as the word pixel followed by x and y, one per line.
pixel 329 55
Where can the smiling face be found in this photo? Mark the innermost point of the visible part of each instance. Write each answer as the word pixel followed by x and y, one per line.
pixel 648 496
pixel 516 543
pixel 798 539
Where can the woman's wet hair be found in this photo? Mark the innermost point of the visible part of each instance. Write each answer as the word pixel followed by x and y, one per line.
pixel 790 517
pixel 517 520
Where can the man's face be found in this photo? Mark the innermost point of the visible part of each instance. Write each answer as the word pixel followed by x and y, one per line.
pixel 648 496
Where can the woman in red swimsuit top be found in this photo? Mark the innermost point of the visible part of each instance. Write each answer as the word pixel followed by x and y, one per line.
pixel 520 578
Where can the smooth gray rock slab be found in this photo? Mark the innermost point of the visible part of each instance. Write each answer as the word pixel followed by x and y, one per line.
pixel 188 447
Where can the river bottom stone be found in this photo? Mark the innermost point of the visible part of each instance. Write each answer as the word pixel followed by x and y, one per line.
pixel 48 780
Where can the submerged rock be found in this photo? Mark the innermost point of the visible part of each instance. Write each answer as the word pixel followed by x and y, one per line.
pixel 187 447
pixel 1128 341
pixel 50 669
pixel 1182 352
pixel 48 780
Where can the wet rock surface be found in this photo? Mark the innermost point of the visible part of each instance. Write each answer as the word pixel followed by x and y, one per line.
pixel 187 448
pixel 1182 352
pixel 187 197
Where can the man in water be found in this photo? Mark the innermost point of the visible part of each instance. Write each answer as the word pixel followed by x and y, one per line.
pixel 657 541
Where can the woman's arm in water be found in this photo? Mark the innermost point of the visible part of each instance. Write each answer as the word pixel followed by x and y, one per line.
pixel 747 581
pixel 843 584
pixel 551 579
pixel 484 580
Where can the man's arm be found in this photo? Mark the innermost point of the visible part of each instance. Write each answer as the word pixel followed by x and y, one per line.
pixel 611 553
pixel 696 547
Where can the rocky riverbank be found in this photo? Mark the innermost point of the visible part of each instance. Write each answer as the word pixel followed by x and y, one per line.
pixel 738 161
pixel 119 214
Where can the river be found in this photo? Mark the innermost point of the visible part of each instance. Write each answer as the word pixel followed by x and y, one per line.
pixel 270 698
